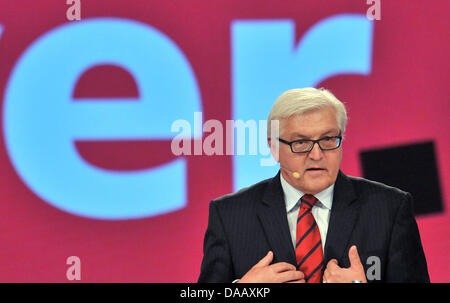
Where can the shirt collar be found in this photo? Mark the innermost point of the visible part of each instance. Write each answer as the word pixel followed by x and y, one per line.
pixel 293 195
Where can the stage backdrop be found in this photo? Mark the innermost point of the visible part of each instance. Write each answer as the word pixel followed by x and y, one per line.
pixel 93 93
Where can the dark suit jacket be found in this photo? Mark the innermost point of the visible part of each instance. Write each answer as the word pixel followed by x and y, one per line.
pixel 378 219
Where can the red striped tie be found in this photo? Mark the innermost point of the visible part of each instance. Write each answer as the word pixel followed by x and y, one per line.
pixel 308 249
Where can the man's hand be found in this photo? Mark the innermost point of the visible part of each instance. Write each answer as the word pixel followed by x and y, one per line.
pixel 280 272
pixel 335 274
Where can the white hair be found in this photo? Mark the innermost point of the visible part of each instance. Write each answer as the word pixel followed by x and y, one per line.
pixel 295 102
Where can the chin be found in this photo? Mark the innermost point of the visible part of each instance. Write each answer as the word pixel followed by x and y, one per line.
pixel 317 186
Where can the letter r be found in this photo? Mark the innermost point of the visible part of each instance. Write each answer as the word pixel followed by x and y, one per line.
pixel 266 62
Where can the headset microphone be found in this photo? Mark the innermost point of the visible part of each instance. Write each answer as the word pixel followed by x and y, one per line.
pixel 295 174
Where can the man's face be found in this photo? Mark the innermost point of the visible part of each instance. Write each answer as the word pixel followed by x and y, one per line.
pixel 316 169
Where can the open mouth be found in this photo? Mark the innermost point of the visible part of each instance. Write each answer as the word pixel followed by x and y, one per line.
pixel 315 169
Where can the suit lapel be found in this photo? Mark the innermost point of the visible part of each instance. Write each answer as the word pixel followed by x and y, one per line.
pixel 344 214
pixel 273 217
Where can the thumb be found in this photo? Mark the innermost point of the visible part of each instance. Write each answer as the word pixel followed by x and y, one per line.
pixel 266 260
pixel 354 256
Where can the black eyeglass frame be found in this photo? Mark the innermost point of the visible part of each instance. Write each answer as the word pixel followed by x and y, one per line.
pixel 313 143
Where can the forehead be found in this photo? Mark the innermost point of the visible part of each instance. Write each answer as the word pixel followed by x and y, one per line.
pixel 311 123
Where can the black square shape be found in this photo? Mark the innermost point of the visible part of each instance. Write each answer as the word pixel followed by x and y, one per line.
pixel 411 168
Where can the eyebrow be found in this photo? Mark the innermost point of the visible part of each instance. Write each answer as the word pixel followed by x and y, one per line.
pixel 301 136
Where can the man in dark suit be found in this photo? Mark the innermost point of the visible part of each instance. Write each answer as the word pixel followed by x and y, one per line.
pixel 311 222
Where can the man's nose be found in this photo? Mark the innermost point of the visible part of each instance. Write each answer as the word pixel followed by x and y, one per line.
pixel 316 153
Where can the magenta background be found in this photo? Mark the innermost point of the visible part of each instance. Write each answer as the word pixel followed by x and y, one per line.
pixel 405 99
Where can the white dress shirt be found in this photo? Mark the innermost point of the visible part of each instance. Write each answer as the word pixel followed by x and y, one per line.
pixel 321 210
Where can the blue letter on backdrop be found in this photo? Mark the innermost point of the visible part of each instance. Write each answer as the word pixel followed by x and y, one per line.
pixel 41 121
pixel 266 62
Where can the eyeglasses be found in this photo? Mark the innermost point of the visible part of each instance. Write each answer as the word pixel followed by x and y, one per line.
pixel 305 146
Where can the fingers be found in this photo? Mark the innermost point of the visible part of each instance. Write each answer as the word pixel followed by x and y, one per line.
pixel 266 260
pixel 332 264
pixel 292 276
pixel 354 257
pixel 326 276
pixel 282 267
pixel 330 270
pixel 299 281
pixel 335 274
pixel 279 272
pixel 331 275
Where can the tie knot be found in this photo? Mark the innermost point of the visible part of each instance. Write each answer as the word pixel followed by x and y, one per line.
pixel 308 201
